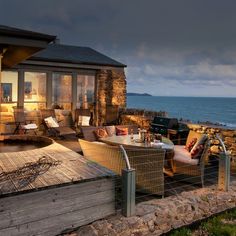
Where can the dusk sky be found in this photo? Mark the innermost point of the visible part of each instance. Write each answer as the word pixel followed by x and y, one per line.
pixel 170 47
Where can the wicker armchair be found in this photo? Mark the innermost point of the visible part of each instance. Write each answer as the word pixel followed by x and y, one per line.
pixel 148 163
pixel 187 169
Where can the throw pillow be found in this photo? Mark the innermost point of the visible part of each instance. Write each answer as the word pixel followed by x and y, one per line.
pixel 101 133
pixel 200 141
pixel 84 120
pixel 190 145
pixel 122 131
pixel 111 130
pixel 51 122
pixel 197 151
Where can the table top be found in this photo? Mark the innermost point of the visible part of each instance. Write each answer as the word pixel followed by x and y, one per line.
pixel 126 140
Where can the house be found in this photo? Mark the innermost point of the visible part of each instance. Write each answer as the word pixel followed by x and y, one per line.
pixel 37 72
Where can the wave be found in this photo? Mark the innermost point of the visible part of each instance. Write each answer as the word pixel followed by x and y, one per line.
pixel 230 125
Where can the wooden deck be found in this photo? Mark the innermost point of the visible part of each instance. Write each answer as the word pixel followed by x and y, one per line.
pixel 47 190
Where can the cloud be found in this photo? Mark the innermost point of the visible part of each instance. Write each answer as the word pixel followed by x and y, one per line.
pixel 180 45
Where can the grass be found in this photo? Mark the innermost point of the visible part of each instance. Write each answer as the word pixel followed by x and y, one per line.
pixel 223 224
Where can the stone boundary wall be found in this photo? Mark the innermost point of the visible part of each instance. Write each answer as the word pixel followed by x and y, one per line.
pixel 159 216
pixel 139 117
pixel 228 135
pixel 143 119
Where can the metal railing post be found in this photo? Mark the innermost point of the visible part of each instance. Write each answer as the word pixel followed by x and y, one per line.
pixel 224 168
pixel 128 192
pixel 224 172
pixel 128 187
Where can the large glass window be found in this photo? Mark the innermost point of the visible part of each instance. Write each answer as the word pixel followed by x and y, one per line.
pixel 35 90
pixel 85 91
pixel 9 86
pixel 61 91
pixel 9 91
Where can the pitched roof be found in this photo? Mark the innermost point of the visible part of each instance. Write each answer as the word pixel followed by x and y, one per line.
pixel 74 55
pixel 15 32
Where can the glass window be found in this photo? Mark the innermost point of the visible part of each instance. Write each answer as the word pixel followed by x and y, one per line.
pixel 61 91
pixel 35 90
pixel 9 87
pixel 85 91
pixel 9 91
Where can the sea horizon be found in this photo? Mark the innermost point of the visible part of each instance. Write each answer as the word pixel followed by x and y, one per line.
pixel 179 96
pixel 218 110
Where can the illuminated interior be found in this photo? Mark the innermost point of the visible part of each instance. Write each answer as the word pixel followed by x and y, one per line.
pixel 35 92
pixel 85 91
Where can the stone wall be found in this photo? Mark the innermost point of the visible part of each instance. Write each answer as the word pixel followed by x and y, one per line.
pixel 139 117
pixel 228 135
pixel 111 90
pixel 159 216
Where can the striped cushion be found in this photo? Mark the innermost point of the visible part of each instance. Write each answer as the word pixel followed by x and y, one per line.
pixel 190 145
pixel 196 152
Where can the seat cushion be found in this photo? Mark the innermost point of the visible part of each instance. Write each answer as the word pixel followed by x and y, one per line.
pixel 111 130
pixel 64 130
pixel 182 155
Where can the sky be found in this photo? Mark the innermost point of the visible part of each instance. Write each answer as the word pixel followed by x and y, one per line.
pixel 170 47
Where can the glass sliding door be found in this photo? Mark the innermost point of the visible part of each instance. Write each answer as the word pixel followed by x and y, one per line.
pixel 85 91
pixel 35 91
pixel 62 91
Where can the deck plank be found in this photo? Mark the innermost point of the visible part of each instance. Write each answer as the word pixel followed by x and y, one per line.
pixel 73 167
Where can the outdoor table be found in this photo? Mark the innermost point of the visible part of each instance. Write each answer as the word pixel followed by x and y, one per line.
pixel 126 140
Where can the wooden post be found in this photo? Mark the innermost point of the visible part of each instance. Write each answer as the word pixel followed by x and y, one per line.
pixel 224 172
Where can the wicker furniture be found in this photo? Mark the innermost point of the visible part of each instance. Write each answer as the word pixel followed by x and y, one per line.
pixel 88 131
pixel 148 163
pixel 186 168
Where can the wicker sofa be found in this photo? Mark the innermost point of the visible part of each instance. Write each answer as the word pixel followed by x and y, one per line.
pixel 88 131
pixel 186 168
pixel 148 163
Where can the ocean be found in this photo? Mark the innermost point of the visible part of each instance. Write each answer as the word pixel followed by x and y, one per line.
pixel 197 109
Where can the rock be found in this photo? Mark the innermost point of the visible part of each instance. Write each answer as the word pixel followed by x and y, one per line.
pixel 144 209
pixel 119 226
pixel 101 227
pixel 87 230
pixel 215 142
pixel 134 222
pixel 228 133
pixel 230 139
pixel 151 226
pixel 215 149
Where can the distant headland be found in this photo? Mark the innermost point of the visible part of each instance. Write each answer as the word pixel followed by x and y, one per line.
pixel 139 94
